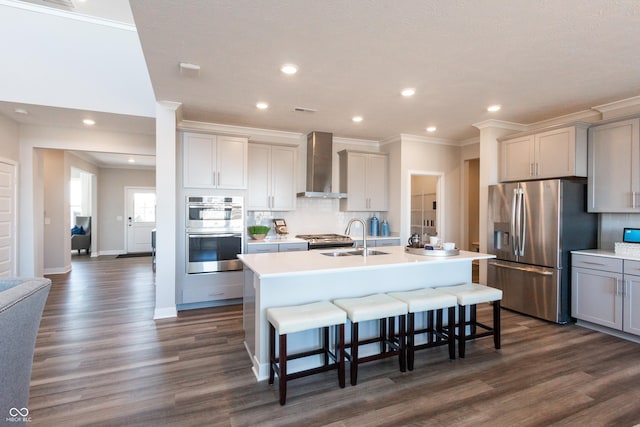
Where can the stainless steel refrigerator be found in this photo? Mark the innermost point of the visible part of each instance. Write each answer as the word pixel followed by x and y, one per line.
pixel 532 227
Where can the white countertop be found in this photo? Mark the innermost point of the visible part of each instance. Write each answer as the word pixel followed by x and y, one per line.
pixel 606 254
pixel 293 263
pixel 275 240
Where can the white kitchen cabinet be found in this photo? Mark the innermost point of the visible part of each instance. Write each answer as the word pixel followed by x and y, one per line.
pixel 604 292
pixel 211 161
pixel 365 178
pixel 558 152
pixel 271 178
pixel 631 307
pixel 614 167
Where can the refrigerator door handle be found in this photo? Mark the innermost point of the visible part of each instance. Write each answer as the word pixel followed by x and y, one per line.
pixel 518 268
pixel 514 242
pixel 523 227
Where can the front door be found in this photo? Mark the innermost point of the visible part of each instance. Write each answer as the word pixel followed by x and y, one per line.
pixel 140 218
pixel 7 219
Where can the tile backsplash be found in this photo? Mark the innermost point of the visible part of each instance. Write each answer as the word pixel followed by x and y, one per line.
pixel 611 227
pixel 313 216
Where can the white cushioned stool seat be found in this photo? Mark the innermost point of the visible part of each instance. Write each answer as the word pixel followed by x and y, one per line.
pixel 384 309
pixel 473 293
pixel 317 315
pixel 288 320
pixel 431 301
pixel 371 307
pixel 426 299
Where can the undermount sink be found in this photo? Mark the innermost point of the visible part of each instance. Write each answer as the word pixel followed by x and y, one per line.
pixel 359 252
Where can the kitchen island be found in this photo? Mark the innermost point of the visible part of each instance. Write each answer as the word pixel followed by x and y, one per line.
pixel 282 279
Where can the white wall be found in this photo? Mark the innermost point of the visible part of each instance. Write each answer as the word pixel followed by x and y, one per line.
pixel 56 238
pixel 111 204
pixel 9 139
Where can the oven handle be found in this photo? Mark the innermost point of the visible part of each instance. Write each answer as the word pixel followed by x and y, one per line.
pixel 194 235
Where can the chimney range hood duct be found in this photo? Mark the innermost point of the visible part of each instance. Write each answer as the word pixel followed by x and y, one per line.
pixel 319 164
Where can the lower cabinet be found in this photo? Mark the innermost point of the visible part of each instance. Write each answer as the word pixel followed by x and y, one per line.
pixel 377 242
pixel 200 288
pixel 265 248
pixel 603 293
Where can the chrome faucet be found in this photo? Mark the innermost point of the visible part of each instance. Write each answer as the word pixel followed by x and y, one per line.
pixel 364 233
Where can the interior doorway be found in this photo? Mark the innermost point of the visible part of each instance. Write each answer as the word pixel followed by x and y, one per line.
pixel 141 218
pixel 425 212
pixel 8 191
pixel 471 219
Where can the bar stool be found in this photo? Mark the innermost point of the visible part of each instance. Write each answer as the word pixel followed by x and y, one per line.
pixel 431 301
pixel 287 320
pixel 472 294
pixel 375 307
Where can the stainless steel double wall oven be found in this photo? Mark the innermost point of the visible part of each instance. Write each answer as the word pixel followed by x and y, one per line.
pixel 214 232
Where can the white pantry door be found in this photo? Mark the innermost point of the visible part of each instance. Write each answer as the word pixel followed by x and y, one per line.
pixel 140 218
pixel 7 219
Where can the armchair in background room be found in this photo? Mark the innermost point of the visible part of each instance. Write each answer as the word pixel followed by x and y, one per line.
pixel 81 234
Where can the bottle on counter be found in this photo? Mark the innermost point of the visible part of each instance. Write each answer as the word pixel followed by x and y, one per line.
pixel 385 228
pixel 373 226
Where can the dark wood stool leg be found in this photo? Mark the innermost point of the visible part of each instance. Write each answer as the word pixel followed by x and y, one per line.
pixel 354 353
pixel 438 326
pixel 496 324
pixel 383 335
pixel 340 354
pixel 462 329
pixel 283 369
pixel 325 345
pixel 451 333
pixel 392 332
pixel 411 341
pixel 430 326
pixel 472 319
pixel 272 352
pixel 401 335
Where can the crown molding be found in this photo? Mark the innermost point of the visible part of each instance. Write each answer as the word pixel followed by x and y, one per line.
pixel 266 135
pixel 354 141
pixel 634 101
pixel 500 124
pixel 428 140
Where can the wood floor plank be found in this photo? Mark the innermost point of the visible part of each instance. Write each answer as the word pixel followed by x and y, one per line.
pixel 101 359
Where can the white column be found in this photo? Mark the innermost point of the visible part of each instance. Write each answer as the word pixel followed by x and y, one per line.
pixel 166 209
pixel 490 131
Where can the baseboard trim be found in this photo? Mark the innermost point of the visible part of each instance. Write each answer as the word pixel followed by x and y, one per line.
pixel 165 313
pixel 58 270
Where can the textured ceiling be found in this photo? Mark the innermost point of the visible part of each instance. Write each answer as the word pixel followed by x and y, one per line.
pixel 538 59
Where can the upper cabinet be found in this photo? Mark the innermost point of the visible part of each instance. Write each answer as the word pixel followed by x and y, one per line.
pixel 555 153
pixel 271 178
pixel 365 179
pixel 212 161
pixel 614 167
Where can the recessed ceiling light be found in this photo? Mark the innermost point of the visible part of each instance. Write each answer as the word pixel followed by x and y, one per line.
pixel 408 91
pixel 431 129
pixel 131 160
pixel 262 105
pixel 289 69
pixel 493 108
pixel 357 119
pixel 20 111
pixel 89 122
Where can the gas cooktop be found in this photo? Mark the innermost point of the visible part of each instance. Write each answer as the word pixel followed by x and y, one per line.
pixel 321 241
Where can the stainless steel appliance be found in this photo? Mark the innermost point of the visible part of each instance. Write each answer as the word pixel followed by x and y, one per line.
pixel 326 241
pixel 214 233
pixel 532 227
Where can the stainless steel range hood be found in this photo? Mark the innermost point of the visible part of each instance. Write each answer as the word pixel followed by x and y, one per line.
pixel 319 167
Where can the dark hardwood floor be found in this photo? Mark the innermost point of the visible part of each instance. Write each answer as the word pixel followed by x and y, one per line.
pixel 101 360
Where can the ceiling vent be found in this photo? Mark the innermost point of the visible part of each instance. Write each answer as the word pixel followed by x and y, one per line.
pixel 304 110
